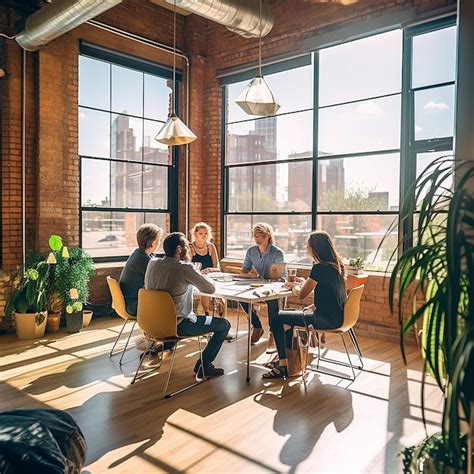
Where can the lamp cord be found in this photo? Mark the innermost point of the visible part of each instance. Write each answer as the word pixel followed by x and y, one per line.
pixel 173 108
pixel 260 40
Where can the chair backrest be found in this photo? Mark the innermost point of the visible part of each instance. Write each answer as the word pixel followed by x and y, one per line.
pixel 118 301
pixel 352 308
pixel 156 315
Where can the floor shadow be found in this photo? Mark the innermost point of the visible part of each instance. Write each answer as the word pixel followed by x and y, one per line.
pixel 302 422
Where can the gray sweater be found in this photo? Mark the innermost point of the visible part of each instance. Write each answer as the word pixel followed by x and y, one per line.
pixel 178 279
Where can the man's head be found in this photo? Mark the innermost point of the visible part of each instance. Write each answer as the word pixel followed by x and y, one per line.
pixel 176 245
pixel 148 237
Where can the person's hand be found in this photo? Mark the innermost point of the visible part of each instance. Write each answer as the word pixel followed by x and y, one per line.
pixel 247 275
pixel 300 280
pixel 289 285
pixel 206 271
pixel 309 309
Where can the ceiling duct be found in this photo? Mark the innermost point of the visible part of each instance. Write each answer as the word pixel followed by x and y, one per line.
pixel 239 16
pixel 58 18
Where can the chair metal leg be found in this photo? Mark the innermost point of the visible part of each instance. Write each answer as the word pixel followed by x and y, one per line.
pixel 355 343
pixel 169 395
pixel 348 356
pixel 128 339
pixel 142 357
pixel 170 370
pixel 111 353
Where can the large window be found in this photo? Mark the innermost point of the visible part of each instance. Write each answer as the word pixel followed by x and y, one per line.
pixel 349 138
pixel 126 176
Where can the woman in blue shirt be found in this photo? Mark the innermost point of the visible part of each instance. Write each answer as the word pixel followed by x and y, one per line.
pixel 327 281
pixel 258 256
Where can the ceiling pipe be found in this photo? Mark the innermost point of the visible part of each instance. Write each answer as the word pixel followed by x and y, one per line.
pixel 239 16
pixel 58 18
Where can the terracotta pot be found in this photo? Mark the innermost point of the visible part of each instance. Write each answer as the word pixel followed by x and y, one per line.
pixel 30 325
pixel 52 322
pixel 74 321
pixel 86 317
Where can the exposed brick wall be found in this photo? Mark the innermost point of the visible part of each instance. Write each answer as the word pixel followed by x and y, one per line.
pixel 52 135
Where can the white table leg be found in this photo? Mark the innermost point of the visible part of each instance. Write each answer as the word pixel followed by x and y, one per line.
pixel 249 317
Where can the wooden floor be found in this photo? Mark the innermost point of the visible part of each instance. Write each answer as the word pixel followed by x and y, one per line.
pixel 222 425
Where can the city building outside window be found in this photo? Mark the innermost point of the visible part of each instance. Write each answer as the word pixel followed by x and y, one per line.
pixel 336 157
pixel 127 177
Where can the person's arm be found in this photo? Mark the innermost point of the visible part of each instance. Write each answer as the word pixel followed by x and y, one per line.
pixel 280 258
pixel 247 267
pixel 192 251
pixel 200 281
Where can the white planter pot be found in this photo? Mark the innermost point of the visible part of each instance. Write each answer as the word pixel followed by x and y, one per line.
pixel 86 317
pixel 26 326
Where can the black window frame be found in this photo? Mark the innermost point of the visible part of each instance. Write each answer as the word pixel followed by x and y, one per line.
pixel 138 64
pixel 408 150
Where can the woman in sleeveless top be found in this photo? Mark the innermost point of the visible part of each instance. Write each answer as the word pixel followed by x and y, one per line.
pixel 203 251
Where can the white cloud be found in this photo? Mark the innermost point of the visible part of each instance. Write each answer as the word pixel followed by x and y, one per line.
pixel 436 105
pixel 369 109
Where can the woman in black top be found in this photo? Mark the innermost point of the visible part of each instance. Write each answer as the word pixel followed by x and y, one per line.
pixel 203 251
pixel 327 281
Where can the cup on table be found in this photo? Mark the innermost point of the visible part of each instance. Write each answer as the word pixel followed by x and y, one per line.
pixel 197 266
pixel 291 275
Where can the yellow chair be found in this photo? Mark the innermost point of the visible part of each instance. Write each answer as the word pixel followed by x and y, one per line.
pixel 351 316
pixel 157 319
pixel 118 304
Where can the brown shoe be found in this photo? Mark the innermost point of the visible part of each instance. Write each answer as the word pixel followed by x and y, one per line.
pixel 271 348
pixel 256 335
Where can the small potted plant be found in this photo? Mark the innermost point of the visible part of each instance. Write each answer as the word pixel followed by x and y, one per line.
pixel 29 301
pixel 74 312
pixel 356 265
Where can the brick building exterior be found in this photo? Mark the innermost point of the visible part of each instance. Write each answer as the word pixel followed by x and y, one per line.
pixel 52 164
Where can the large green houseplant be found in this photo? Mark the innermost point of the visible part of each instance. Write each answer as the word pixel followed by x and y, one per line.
pixel 72 271
pixel 29 299
pixel 440 266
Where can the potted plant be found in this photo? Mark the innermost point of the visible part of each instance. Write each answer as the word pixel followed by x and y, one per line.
pixel 440 265
pixel 356 264
pixel 54 304
pixel 74 316
pixel 28 300
pixel 72 271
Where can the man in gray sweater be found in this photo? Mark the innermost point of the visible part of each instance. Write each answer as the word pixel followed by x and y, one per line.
pixel 175 275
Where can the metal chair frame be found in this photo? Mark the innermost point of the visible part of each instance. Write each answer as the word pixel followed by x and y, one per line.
pixel 176 340
pixel 127 319
pixel 355 345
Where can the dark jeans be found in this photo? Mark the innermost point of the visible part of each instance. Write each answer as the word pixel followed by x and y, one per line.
pixel 272 306
pixel 40 441
pixel 295 318
pixel 219 326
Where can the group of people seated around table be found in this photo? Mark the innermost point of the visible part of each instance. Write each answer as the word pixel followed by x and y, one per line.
pixel 176 274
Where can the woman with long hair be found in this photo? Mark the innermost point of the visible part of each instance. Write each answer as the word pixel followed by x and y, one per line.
pixel 327 281
pixel 203 251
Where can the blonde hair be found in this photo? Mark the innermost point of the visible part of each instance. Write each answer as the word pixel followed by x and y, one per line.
pixel 201 225
pixel 321 248
pixel 147 234
pixel 264 228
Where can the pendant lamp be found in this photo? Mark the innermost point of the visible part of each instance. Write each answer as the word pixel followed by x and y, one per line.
pixel 174 131
pixel 257 98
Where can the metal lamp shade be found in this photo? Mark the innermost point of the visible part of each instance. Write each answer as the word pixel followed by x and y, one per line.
pixel 175 132
pixel 258 99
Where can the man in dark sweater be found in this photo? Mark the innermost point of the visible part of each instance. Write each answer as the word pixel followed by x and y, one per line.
pixel 132 277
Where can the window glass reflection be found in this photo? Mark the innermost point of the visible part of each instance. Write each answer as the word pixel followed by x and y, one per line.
pixel 360 69
pixel 127 91
pixel 157 97
pixel 95 183
pixel 127 138
pixel 362 183
pixel 94 133
pixel 94 83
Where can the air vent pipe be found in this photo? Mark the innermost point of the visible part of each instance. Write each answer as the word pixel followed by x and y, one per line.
pixel 58 18
pixel 239 16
